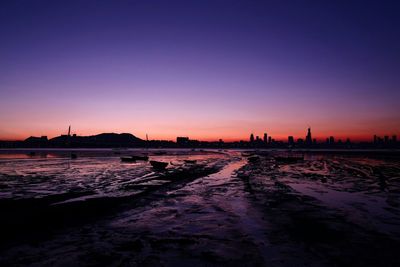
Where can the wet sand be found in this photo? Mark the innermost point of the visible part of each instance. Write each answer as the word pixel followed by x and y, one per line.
pixel 326 210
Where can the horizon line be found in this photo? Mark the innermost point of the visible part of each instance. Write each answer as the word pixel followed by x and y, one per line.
pixel 353 137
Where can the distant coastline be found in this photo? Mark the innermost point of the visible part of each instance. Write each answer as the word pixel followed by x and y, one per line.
pixel 127 140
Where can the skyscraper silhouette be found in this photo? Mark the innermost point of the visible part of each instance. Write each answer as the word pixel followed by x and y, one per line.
pixel 386 138
pixel 252 138
pixel 308 137
pixel 331 140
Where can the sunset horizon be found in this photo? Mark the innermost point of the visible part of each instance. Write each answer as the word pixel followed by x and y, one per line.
pixel 200 133
pixel 231 137
pixel 190 69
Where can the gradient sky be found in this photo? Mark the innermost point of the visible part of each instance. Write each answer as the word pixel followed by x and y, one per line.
pixel 203 69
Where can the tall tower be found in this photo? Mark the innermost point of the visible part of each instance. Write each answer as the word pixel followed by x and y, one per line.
pixel 308 137
pixel 68 141
pixel 265 139
pixel 252 138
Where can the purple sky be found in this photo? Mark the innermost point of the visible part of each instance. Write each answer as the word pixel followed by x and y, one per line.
pixel 207 69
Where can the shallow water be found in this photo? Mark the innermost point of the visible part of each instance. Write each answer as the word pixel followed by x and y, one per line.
pixel 97 174
pixel 328 210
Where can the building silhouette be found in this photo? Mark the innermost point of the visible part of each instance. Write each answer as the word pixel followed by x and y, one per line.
pixel 308 137
pixel 251 138
pixel 182 140
pixel 386 138
pixel 300 141
pixel 290 140
pixel 331 140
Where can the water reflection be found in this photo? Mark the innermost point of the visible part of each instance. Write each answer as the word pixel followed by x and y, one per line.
pixel 100 173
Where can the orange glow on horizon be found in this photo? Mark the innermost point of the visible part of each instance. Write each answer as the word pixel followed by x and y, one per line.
pixel 226 137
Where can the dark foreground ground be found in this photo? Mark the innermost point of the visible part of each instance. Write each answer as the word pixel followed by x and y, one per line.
pixel 229 208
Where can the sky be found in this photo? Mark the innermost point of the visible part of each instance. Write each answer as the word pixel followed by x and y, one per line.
pixel 203 69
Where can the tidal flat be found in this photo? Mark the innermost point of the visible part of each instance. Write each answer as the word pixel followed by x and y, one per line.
pixel 207 208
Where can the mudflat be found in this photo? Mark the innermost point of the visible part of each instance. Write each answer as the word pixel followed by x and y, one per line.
pixel 207 207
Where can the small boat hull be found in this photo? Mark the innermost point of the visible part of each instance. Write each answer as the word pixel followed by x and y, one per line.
pixel 158 165
pixel 127 159
pixel 159 153
pixel 140 158
pixel 253 159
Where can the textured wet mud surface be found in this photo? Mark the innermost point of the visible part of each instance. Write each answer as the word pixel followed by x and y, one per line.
pixel 325 210
pixel 342 209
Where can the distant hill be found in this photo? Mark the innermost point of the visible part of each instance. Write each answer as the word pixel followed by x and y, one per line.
pixel 100 140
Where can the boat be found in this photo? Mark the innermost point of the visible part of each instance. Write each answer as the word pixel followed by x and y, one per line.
pixel 253 159
pixel 190 161
pixel 142 158
pixel 159 153
pixel 127 159
pixel 158 165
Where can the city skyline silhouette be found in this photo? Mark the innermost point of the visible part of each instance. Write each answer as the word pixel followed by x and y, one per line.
pixel 204 69
pixel 115 140
pixel 200 133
